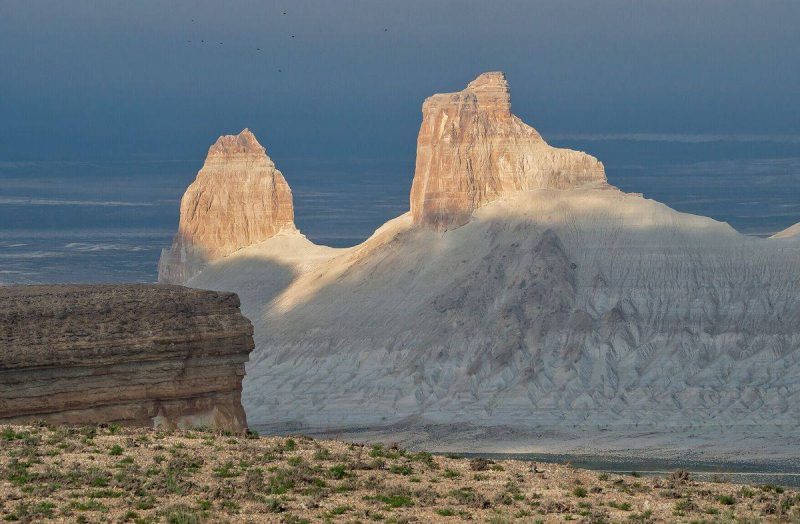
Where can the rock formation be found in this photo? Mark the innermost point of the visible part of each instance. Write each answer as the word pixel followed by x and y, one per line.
pixel 790 232
pixel 138 355
pixel 471 150
pixel 237 200
pixel 560 309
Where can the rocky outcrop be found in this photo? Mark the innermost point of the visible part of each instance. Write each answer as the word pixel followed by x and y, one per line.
pixel 237 200
pixel 471 150
pixel 138 355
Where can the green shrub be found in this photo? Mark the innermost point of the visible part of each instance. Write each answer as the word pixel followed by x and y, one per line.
pixel 338 472
pixel 403 469
pixel 726 500
pixel 451 474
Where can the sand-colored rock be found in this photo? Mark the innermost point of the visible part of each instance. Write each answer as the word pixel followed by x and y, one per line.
pixel 238 199
pixel 471 150
pixel 561 317
pixel 790 232
pixel 138 355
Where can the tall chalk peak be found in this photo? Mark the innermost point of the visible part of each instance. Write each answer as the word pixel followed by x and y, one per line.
pixel 472 150
pixel 238 199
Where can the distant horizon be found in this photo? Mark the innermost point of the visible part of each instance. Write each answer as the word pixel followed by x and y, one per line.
pixel 693 105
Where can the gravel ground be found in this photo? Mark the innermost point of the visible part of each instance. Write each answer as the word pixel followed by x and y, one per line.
pixel 111 474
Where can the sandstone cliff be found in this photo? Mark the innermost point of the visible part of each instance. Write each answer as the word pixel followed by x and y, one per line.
pixel 237 200
pixel 139 355
pixel 471 150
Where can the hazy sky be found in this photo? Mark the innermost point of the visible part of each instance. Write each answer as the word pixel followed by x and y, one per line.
pixel 119 79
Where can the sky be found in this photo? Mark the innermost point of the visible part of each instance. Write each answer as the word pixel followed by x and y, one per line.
pixel 692 103
pixel 109 78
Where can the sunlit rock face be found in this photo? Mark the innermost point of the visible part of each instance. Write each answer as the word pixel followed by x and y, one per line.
pixel 561 315
pixel 471 150
pixel 238 199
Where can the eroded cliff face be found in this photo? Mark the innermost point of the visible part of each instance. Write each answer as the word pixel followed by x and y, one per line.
pixel 138 355
pixel 238 199
pixel 471 150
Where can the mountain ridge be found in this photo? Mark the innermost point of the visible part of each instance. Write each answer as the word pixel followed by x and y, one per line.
pixel 577 310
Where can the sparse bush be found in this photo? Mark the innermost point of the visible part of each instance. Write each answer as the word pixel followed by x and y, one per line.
pixel 681 476
pixel 338 472
pixel 450 474
pixel 622 506
pixel 480 464
pixel 726 500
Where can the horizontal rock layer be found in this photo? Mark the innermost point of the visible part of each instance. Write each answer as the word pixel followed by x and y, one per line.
pixel 139 355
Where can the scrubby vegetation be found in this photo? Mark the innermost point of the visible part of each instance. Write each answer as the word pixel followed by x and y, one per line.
pixel 111 474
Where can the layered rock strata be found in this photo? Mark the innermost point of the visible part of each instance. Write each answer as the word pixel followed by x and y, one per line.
pixel 558 309
pixel 472 150
pixel 238 199
pixel 137 355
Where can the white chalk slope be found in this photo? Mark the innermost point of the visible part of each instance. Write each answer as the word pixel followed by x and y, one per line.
pixel 588 309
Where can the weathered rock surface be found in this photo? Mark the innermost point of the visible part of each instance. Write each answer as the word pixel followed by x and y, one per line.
pixel 139 355
pixel 471 150
pixel 238 199
pixel 561 311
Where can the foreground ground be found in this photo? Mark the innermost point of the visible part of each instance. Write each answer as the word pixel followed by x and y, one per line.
pixel 119 475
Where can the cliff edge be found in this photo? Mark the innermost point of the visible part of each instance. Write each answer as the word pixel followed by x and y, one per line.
pixel 137 355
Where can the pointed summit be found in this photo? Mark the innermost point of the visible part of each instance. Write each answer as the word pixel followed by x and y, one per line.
pixel 471 150
pixel 491 92
pixel 237 200
pixel 244 143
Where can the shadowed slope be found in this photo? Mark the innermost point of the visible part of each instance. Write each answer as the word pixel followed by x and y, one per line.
pixel 558 305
